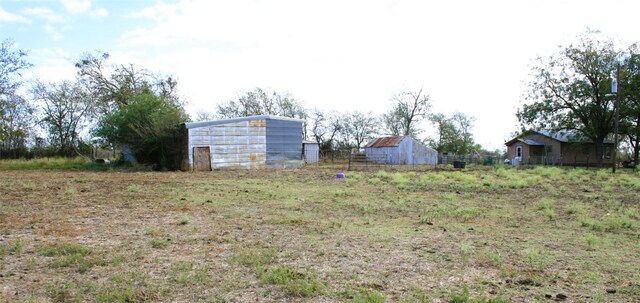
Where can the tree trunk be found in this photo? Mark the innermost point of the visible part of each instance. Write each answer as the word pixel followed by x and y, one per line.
pixel 599 142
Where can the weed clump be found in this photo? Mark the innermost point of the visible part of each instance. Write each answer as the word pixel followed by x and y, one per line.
pixel 184 220
pixel 294 283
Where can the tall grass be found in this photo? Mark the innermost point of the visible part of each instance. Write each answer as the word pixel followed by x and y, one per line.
pixel 45 163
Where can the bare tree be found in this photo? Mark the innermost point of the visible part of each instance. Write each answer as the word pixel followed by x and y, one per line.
pixel 67 108
pixel 262 102
pixel 359 127
pixel 204 116
pixel 409 108
pixel 115 86
pixel 326 128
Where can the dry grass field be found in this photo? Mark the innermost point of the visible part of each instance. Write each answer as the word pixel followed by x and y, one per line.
pixel 474 235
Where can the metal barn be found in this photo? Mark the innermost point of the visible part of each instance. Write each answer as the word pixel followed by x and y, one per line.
pixel 248 142
pixel 400 150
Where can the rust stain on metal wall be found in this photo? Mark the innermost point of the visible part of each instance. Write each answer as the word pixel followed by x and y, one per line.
pixel 386 142
pixel 258 123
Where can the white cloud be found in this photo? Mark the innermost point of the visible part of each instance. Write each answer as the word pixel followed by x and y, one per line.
pixel 6 16
pixel 44 13
pixel 53 32
pixel 76 6
pixel 159 10
pixel 50 65
pixel 99 13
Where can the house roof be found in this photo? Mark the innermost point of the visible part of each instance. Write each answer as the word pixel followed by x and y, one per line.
pixel 532 142
pixel 241 119
pixel 526 141
pixel 385 141
pixel 563 136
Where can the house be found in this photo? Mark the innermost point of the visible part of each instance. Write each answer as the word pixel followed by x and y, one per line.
pixel 400 150
pixel 556 148
pixel 247 142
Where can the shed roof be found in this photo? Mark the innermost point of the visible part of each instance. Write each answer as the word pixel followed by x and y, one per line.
pixel 241 119
pixel 385 141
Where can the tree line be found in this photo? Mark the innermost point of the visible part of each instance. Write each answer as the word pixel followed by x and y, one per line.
pixel 119 106
pixel 106 104
pixel 351 130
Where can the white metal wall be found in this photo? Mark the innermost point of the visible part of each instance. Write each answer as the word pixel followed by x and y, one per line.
pixel 240 144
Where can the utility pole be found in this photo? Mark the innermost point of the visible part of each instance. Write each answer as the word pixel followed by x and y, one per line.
pixel 616 106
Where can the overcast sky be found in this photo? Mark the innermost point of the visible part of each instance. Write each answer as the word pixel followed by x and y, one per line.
pixel 469 56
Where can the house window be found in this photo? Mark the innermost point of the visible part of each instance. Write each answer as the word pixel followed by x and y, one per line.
pixel 518 151
pixel 585 149
pixel 607 152
pixel 548 149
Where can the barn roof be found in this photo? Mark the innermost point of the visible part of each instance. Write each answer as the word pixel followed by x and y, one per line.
pixel 241 119
pixel 385 141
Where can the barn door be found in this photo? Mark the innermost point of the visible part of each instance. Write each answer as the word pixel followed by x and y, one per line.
pixel 201 159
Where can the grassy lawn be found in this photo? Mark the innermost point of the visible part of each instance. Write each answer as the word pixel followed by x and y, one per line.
pixel 475 235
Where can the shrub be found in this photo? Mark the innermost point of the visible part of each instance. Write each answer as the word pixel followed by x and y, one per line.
pixel 184 220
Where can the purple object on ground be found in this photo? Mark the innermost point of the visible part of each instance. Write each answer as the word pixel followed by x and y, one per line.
pixel 340 176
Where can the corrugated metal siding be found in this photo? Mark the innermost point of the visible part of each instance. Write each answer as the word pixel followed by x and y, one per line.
pixel 391 154
pixel 311 152
pixel 407 152
pixel 233 145
pixel 424 155
pixel 283 144
pixel 248 143
pixel 394 154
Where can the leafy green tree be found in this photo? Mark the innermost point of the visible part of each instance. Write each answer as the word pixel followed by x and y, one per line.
pixel 464 128
pixel 453 134
pixel 17 119
pixel 445 139
pixel 408 109
pixel 629 90
pixel 570 90
pixel 139 111
pixel 67 109
pixel 261 102
pixel 16 113
pixel 150 126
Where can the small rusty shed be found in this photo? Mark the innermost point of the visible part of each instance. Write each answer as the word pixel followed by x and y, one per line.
pixel 401 150
pixel 247 142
